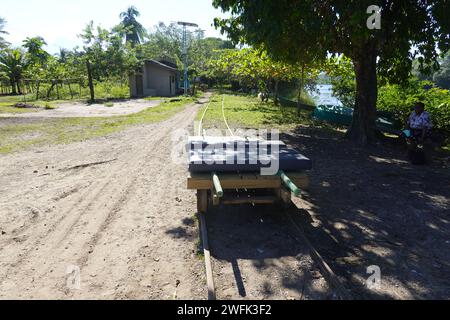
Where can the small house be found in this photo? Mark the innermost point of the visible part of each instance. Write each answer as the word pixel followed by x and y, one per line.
pixel 155 79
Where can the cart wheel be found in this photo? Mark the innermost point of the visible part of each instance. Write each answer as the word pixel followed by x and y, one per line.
pixel 202 201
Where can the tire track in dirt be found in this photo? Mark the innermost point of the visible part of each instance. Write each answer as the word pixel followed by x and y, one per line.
pixel 88 217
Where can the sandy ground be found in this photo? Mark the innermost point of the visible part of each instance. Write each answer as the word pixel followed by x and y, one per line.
pixel 116 221
pixel 127 223
pixel 116 209
pixel 81 110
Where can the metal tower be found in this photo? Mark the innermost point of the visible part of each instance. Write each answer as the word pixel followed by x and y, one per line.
pixel 185 55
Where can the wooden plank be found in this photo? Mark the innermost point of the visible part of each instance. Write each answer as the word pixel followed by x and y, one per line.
pixel 207 254
pixel 245 181
pixel 245 200
pixel 202 201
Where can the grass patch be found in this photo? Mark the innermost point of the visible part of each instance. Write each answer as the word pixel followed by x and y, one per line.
pixel 109 104
pixel 244 111
pixel 7 104
pixel 8 108
pixel 60 131
pixel 49 106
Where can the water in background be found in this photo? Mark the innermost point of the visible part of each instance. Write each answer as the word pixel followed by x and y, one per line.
pixel 323 95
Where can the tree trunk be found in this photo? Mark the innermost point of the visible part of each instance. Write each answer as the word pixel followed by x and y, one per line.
pixel 49 91
pixel 362 128
pixel 275 97
pixel 91 83
pixel 37 90
pixel 18 87
pixel 70 89
pixel 13 87
pixel 300 90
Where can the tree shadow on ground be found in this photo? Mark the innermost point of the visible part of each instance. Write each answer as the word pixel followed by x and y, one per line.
pixel 369 206
pixel 264 253
pixel 365 207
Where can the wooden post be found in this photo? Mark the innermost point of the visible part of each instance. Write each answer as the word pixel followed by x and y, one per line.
pixel 70 89
pixel 49 91
pixel 202 201
pixel 207 254
pixel 37 89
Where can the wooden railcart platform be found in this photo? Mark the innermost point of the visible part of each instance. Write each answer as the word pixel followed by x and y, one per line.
pixel 236 188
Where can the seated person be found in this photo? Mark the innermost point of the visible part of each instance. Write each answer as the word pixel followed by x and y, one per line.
pixel 419 134
pixel 419 123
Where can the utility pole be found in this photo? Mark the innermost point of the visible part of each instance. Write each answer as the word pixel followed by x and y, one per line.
pixel 185 55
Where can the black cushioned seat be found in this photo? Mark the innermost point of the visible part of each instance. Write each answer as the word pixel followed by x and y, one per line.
pixel 229 155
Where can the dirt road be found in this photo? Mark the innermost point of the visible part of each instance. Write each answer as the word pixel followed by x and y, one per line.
pixel 85 110
pixel 119 222
pixel 115 211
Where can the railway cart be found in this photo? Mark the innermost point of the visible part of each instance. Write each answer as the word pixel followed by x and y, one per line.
pixel 220 178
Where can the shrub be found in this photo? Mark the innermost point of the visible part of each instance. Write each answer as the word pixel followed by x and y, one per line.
pixel 401 99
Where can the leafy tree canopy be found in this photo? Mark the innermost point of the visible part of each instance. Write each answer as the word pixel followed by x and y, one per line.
pixel 12 64
pixel 442 76
pixel 134 31
pixel 35 51
pixel 295 30
pixel 3 43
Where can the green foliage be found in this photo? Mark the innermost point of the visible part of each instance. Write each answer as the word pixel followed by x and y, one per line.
pixel 396 98
pixel 35 53
pixel 289 94
pixel 442 76
pixel 254 69
pixel 400 99
pixel 12 65
pixel 109 57
pixel 342 76
pixel 165 43
pixel 246 111
pixel 309 30
pixel 134 31
pixel 48 106
pixel 312 29
pixel 9 108
pixel 3 43
pixel 112 90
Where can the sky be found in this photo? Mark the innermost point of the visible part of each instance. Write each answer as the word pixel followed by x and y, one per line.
pixel 60 21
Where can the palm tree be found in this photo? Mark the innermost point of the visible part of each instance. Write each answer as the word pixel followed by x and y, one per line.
pixel 3 43
pixel 12 63
pixel 35 51
pixel 133 30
